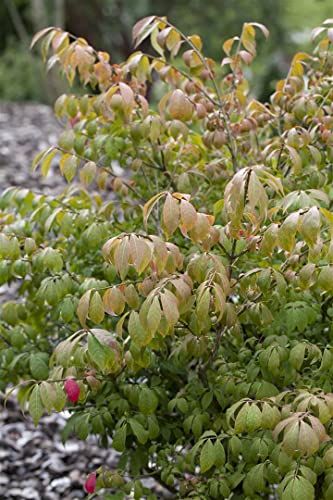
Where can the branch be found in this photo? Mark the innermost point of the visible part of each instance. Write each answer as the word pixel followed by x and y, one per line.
pixel 203 369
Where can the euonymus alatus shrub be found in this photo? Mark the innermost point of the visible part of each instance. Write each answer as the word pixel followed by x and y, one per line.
pixel 181 311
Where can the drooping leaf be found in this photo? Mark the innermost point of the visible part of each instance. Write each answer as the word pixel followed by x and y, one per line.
pixel 148 401
pixel 36 408
pixel 207 456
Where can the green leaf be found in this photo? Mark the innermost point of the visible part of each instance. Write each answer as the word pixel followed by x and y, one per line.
pixel 328 458
pixel 154 316
pixel 139 431
pixel 46 163
pixel 83 308
pixel 298 487
pixel 48 395
pixel 253 418
pixel 240 422
pixel 182 405
pixel 207 399
pixel 69 168
pixel 325 278
pixel 36 408
pixel 66 140
pixel 82 426
pixel 38 366
pixel 310 226
pixel 148 401
pixel 121 258
pixel 296 356
pixel 207 456
pixel 287 231
pixel 96 309
pixel 88 172
pixel 119 438
pixel 99 353
pixel 153 427
pixel 61 399
pixel 170 215
pixel 140 336
pixel 22 395
pixel 220 457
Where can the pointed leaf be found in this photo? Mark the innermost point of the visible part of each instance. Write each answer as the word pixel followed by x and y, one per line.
pixel 207 456
pixel 36 408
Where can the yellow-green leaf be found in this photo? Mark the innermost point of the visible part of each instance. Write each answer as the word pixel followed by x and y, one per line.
pixel 96 309
pixel 36 408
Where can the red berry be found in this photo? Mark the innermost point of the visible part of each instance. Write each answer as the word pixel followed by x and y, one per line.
pixel 90 483
pixel 72 389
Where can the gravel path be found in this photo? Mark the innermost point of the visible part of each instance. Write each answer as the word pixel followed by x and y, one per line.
pixel 25 130
pixel 35 465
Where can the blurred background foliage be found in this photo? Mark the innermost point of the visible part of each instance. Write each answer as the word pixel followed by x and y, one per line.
pixel 107 24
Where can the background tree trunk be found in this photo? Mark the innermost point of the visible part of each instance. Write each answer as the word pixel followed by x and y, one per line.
pixel 39 15
pixel 59 13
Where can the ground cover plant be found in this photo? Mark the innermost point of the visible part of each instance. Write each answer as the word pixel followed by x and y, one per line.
pixel 181 308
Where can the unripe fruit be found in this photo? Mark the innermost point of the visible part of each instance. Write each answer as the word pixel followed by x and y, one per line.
pixel 90 483
pixel 72 390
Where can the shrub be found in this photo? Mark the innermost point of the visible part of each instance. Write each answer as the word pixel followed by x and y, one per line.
pixel 182 310
pixel 17 65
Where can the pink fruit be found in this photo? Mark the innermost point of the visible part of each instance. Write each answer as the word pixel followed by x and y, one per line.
pixel 72 389
pixel 90 483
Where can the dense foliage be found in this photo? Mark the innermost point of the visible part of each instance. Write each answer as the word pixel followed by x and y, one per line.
pixel 181 307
